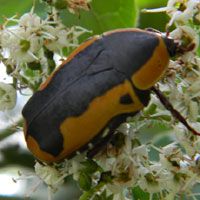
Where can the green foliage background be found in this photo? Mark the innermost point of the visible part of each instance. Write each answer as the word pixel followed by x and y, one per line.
pixel 104 15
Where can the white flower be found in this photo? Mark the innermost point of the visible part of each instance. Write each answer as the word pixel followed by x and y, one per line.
pixel 30 21
pixel 120 196
pixel 172 185
pixel 140 153
pixel 59 37
pixel 49 175
pixel 7 96
pixel 149 181
pixel 73 166
pixel 181 11
pixel 187 33
pixel 193 89
pixel 184 140
pixel 21 45
pixel 25 49
pixel 193 111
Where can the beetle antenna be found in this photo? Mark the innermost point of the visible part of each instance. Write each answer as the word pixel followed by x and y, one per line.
pixel 174 112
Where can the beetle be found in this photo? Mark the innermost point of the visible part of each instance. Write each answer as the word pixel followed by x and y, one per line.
pixel 106 79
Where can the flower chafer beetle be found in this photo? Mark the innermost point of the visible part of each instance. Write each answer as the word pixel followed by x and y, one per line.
pixel 106 79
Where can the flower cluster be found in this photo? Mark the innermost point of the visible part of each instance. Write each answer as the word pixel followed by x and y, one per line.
pixel 28 49
pixel 125 167
pixel 116 172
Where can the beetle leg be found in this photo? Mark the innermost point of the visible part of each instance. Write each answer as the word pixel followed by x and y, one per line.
pixel 103 141
pixel 100 145
pixel 174 112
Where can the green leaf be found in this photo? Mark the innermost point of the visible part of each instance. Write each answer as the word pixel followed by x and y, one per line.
pixel 11 7
pixel 152 3
pixel 90 167
pixel 138 194
pixel 104 15
pixel 85 181
pixel 147 20
pixel 86 195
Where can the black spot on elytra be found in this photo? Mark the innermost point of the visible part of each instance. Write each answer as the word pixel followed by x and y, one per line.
pixel 126 99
